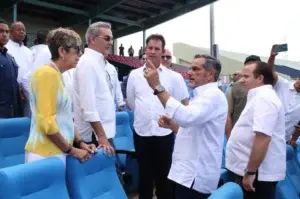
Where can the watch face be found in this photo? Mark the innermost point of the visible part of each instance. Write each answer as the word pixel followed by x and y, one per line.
pixel 160 88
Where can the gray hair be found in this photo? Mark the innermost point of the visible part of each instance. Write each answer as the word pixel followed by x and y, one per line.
pixel 94 30
pixel 211 63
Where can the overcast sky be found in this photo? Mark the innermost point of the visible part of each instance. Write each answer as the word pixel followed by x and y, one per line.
pixel 246 26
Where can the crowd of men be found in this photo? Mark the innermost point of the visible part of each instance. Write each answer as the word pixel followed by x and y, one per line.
pixel 178 139
pixel 131 51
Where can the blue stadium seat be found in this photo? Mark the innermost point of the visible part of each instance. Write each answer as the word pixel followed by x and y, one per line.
pixel 13 137
pixel 224 151
pixel 229 190
pixel 292 168
pixel 94 179
pixel 286 190
pixel 225 177
pixel 298 153
pixel 44 179
pixel 131 119
pixel 289 188
pixel 123 139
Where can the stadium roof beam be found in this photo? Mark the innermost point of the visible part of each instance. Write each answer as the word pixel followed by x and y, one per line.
pixel 134 9
pixel 152 5
pixel 119 20
pixel 72 2
pixel 79 12
pixel 4 4
pixel 170 1
pixel 56 7
pixel 95 11
pixel 126 16
pixel 177 11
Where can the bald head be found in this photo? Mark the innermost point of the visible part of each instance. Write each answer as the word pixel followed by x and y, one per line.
pixel 167 58
pixel 17 32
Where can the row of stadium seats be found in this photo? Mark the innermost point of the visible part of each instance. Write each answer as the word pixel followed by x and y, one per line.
pixel 289 188
pixel 32 180
pixel 50 178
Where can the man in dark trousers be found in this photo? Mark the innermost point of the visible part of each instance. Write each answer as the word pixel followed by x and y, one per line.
pixel 9 88
pixel 121 50
pixel 154 145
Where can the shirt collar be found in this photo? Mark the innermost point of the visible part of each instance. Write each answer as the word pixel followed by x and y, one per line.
pixel 200 89
pixel 291 85
pixel 4 50
pixel 254 91
pixel 16 44
pixel 94 53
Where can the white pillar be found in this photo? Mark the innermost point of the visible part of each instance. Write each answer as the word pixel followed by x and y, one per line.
pixel 212 28
pixel 15 12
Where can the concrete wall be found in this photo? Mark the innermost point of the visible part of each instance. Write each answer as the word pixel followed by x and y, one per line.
pixel 185 54
pixel 33 24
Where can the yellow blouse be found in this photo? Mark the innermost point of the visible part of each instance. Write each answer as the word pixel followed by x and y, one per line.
pixel 51 109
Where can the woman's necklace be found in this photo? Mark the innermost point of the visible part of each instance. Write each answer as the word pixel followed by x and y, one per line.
pixel 56 68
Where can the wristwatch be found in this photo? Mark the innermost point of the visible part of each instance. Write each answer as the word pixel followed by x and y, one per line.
pixel 78 143
pixel 249 173
pixel 159 89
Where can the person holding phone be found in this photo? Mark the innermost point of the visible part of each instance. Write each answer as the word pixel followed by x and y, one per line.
pixel 289 94
pixel 295 136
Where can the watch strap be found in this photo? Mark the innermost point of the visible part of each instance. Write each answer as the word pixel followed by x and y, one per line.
pixel 69 149
pixel 250 173
pixel 158 89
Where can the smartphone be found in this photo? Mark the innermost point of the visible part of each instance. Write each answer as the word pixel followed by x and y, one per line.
pixel 281 48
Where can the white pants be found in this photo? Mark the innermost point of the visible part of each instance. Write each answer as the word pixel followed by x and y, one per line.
pixel 31 157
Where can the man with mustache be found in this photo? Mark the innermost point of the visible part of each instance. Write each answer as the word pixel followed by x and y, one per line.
pixel 197 156
pixel 178 79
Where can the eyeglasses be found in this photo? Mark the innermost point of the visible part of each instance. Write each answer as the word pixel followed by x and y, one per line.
pixel 107 38
pixel 76 48
pixel 166 57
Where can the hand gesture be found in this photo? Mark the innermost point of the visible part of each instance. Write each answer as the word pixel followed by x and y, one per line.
pixel 293 143
pixel 121 108
pixel 82 155
pixel 297 129
pixel 22 95
pixel 91 148
pixel 273 53
pixel 104 143
pixel 164 122
pixel 151 74
pixel 248 181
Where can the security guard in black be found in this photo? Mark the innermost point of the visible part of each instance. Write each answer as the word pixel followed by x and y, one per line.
pixel 9 88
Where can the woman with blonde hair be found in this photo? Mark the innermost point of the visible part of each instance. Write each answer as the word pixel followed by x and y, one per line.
pixel 52 131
